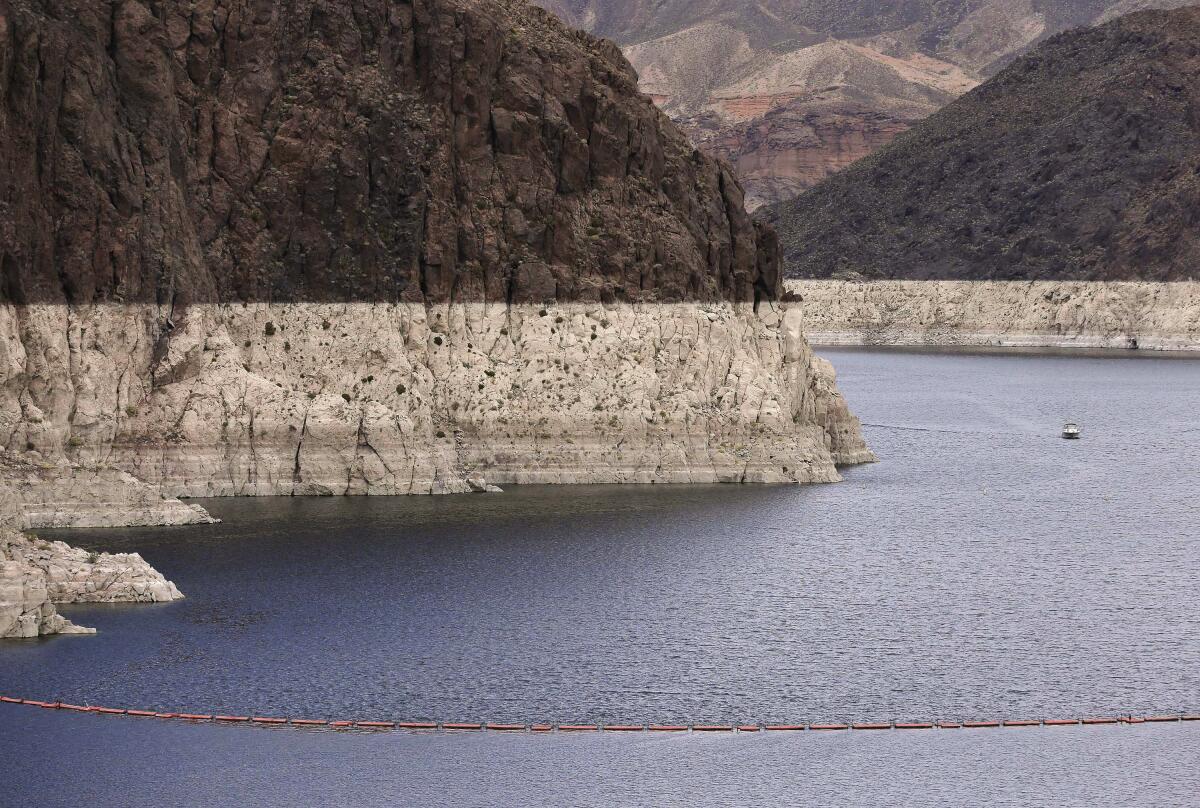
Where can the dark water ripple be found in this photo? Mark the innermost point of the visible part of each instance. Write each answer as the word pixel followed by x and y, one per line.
pixel 992 569
pixel 986 568
pixel 69 760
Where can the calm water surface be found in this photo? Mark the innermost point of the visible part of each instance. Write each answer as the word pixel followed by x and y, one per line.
pixel 985 568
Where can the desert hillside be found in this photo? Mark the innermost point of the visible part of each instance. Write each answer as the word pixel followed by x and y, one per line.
pixel 1077 162
pixel 791 92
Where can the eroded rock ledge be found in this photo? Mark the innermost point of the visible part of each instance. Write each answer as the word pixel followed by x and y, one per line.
pixel 1058 314
pixel 369 398
pixel 48 494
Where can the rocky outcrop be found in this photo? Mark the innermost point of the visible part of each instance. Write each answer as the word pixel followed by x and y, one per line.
pixel 844 429
pixel 36 574
pixel 1077 162
pixel 1057 314
pixel 25 607
pixel 73 575
pixel 346 248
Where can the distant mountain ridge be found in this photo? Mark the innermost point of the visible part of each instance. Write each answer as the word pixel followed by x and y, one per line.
pixel 1080 161
pixel 790 91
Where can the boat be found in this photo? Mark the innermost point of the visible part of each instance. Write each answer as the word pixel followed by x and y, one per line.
pixel 1071 431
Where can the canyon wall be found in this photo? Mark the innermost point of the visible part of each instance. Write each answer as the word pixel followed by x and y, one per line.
pixel 1058 314
pixel 380 247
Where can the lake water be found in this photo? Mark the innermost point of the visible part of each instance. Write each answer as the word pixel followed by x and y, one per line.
pixel 984 569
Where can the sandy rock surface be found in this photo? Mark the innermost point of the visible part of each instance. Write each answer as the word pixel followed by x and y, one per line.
pixel 365 398
pixel 1148 316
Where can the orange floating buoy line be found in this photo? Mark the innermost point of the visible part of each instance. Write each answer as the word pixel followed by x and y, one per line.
pixel 448 726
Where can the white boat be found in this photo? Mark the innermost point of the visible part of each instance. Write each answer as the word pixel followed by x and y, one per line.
pixel 1071 431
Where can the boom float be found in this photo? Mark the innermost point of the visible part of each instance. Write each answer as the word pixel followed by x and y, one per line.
pixel 450 726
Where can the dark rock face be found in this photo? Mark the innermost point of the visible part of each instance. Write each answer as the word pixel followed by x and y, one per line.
pixel 419 150
pixel 1080 161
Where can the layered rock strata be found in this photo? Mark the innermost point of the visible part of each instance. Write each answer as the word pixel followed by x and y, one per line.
pixel 350 248
pixel 798 142
pixel 787 120
pixel 1059 314
pixel 329 398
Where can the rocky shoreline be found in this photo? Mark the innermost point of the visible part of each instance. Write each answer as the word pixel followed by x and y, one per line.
pixel 415 248
pixel 56 493
pixel 382 399
pixel 1033 314
pixel 36 575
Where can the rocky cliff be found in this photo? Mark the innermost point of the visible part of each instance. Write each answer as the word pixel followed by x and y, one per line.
pixel 429 151
pixel 1077 162
pixel 378 247
pixel 791 91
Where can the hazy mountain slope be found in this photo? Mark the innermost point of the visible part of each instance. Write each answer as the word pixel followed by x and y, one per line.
pixel 1078 161
pixel 792 90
